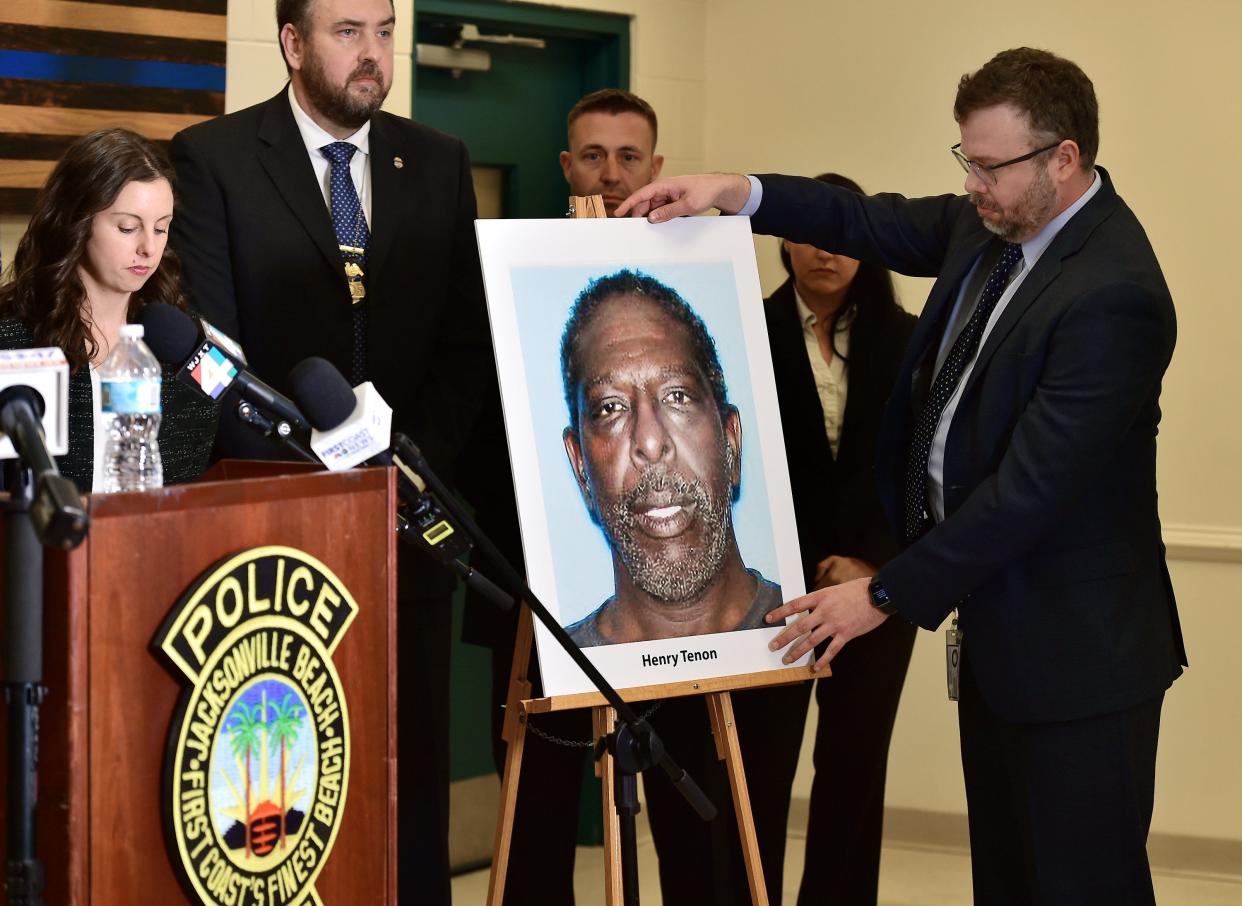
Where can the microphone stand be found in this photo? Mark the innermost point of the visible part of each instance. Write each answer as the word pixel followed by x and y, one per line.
pixel 275 427
pixel 634 745
pixel 23 686
pixel 43 508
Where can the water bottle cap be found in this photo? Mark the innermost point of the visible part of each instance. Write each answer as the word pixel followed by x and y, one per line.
pixel 132 331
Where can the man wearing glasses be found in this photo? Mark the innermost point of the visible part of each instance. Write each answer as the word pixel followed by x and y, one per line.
pixel 1018 462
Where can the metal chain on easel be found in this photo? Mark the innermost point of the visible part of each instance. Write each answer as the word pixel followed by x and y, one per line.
pixel 576 743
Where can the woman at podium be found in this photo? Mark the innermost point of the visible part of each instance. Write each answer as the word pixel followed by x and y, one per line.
pixel 93 255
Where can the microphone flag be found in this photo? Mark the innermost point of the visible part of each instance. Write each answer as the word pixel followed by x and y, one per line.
pixel 211 370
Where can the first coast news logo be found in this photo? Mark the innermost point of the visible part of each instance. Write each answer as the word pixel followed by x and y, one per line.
pixel 258 753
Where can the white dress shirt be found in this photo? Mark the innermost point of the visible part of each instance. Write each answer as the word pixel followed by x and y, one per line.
pixel 315 137
pixel 831 378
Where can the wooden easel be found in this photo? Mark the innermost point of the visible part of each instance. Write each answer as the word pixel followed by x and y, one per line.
pixel 519 705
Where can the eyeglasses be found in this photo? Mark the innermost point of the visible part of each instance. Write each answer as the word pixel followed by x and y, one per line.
pixel 987 172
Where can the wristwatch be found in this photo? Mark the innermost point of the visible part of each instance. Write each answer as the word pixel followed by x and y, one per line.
pixel 879 597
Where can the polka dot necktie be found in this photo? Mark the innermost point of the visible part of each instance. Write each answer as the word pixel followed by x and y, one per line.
pixel 351 230
pixel 946 381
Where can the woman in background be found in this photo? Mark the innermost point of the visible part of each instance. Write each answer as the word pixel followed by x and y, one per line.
pixel 92 256
pixel 837 335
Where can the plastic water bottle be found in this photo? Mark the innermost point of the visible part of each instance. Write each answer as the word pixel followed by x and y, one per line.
pixel 129 383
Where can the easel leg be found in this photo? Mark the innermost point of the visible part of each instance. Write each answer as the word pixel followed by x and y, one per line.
pixel 603 720
pixel 514 735
pixel 728 750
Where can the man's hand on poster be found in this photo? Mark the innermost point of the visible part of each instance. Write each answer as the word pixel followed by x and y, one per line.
pixel 835 570
pixel 842 612
pixel 685 196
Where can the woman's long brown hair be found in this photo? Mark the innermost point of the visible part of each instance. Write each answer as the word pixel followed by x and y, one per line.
pixel 43 287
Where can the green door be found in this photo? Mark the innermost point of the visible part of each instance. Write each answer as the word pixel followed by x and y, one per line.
pixel 512 118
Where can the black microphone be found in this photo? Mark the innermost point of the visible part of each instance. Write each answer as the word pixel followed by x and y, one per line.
pixel 214 368
pixel 176 339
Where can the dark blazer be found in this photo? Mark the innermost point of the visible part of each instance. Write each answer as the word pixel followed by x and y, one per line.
pixel 260 260
pixel 1051 541
pixel 835 500
pixel 187 422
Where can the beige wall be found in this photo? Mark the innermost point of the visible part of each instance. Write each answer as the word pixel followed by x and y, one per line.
pixel 867 89
pixel 667 59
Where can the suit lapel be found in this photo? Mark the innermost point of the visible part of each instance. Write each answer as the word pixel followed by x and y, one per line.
pixel 289 167
pixel 791 355
pixel 920 358
pixel 388 189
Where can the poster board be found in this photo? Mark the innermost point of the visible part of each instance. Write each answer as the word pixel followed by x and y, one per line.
pixel 535 271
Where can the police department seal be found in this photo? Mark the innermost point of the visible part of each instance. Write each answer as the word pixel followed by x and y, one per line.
pixel 258 752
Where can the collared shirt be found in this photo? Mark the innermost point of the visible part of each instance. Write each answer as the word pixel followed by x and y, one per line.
pixel 755 199
pixel 831 378
pixel 1032 249
pixel 315 137
pixel 767 597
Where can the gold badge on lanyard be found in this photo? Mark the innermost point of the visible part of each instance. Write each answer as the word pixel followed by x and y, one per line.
pixel 354 274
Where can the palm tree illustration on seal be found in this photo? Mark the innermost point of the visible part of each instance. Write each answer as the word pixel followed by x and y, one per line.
pixel 244 737
pixel 282 731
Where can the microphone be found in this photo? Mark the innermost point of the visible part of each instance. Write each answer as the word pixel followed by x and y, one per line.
pixel 214 367
pixel 46 373
pixel 351 427
pixel 34 395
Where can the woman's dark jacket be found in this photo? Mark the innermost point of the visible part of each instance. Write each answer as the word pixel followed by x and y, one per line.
pixel 835 499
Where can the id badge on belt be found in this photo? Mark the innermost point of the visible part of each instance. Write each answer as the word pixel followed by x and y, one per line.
pixel 953 658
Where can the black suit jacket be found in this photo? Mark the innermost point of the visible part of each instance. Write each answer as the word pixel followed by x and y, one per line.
pixel 835 500
pixel 1051 542
pixel 261 262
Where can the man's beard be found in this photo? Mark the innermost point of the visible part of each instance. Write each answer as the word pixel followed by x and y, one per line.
pixel 1031 212
pixel 674 581
pixel 336 102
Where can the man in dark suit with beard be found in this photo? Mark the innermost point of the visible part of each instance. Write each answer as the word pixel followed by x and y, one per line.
pixel 1017 459
pixel 316 224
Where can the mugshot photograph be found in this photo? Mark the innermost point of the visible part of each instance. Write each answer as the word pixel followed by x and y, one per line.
pixel 93 255
pixel 656 449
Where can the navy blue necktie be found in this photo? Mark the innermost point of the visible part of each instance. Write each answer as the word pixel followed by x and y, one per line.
pixel 946 381
pixel 350 225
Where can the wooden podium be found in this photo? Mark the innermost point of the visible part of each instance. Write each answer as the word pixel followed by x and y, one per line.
pixel 105 723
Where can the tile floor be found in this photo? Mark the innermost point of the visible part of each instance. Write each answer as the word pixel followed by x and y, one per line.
pixel 909 876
